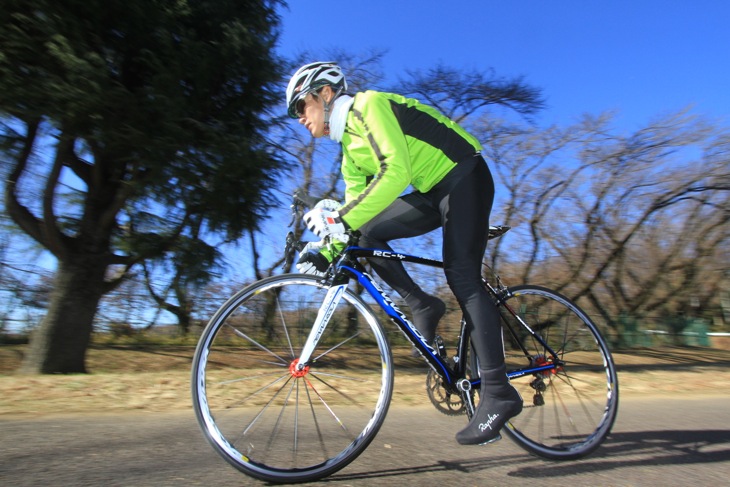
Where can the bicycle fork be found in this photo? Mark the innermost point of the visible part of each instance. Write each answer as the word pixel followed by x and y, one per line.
pixel 331 300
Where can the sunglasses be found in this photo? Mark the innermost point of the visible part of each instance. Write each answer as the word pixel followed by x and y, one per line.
pixel 302 103
pixel 299 107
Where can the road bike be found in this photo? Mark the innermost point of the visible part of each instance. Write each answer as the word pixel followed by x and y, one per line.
pixel 293 376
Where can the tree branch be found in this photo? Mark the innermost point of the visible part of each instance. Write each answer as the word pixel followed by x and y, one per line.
pixel 80 168
pixel 20 214
pixel 54 237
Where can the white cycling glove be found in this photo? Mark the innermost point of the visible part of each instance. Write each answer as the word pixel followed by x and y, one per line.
pixel 330 205
pixel 315 258
pixel 324 223
pixel 324 220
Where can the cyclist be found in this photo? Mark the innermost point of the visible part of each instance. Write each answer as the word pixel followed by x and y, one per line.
pixel 389 143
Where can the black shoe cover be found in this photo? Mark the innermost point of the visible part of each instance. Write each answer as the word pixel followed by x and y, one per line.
pixel 498 403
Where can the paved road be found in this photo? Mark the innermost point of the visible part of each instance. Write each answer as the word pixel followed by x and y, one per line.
pixel 662 442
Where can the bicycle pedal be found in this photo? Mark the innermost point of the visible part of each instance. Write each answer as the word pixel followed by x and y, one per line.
pixel 496 438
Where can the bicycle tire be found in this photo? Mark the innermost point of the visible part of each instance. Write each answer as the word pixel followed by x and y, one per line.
pixel 570 410
pixel 277 425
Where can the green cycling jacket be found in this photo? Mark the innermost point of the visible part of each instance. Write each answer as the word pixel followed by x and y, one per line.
pixel 391 142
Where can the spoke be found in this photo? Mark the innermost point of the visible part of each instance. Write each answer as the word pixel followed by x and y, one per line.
pixel 296 422
pixel 571 423
pixel 325 383
pixel 568 379
pixel 334 415
pixel 246 337
pixel 340 376
pixel 260 413
pixel 243 379
pixel 556 416
pixel 582 397
pixel 283 324
pixel 277 364
pixel 259 391
pixel 541 412
pixel 577 362
pixel 337 346
pixel 568 340
pixel 320 436
pixel 281 415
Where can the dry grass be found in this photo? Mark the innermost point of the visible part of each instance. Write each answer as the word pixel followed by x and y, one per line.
pixel 157 378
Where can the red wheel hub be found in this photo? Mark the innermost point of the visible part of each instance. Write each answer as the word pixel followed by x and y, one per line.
pixel 541 360
pixel 296 371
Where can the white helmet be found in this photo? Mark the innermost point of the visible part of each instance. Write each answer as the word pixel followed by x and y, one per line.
pixel 312 77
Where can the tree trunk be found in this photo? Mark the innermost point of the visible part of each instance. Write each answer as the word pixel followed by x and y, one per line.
pixel 59 344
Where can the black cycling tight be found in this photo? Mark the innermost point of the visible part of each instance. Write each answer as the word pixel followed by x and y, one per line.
pixel 460 204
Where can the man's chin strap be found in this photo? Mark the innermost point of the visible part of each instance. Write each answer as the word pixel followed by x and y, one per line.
pixel 327 111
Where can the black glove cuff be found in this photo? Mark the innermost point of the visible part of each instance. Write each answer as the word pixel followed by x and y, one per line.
pixel 319 261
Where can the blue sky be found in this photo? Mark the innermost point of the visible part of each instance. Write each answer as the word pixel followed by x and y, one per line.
pixel 639 58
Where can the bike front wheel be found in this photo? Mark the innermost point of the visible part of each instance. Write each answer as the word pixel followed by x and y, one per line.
pixel 571 404
pixel 261 413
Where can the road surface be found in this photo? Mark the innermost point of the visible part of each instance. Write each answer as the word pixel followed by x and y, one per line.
pixel 656 441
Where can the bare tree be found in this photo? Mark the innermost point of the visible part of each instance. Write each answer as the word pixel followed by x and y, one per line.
pixel 633 223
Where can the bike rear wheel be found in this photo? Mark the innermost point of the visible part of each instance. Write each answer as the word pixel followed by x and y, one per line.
pixel 270 420
pixel 569 409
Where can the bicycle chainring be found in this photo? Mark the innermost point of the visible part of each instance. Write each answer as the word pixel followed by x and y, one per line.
pixel 446 402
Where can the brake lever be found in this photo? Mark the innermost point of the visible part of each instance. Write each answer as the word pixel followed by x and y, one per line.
pixel 288 251
pixel 295 211
pixel 291 247
pixel 300 200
